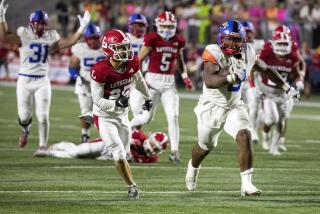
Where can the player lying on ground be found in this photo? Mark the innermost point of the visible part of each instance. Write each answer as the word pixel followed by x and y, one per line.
pixel 143 149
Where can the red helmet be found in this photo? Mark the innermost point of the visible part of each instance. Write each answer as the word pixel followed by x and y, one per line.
pixel 282 29
pixel 117 45
pixel 281 44
pixel 156 143
pixel 166 24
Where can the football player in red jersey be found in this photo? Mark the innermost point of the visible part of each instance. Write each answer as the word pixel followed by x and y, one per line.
pixel 164 48
pixel 143 149
pixel 111 83
pixel 277 54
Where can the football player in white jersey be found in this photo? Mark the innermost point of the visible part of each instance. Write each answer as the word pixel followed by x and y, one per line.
pixel 137 28
pixel 226 66
pixel 85 54
pixel 36 42
pixel 251 94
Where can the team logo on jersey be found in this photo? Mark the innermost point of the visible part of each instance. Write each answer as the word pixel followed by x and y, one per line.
pixel 93 76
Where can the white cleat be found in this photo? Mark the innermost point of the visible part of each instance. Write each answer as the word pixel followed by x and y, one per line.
pixel 275 152
pixel 191 177
pixel 42 151
pixel 283 148
pixel 250 190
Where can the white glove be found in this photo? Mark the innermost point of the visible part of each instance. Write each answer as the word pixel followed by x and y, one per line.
pixel 84 21
pixel 3 10
pixel 294 93
pixel 300 85
pixel 241 74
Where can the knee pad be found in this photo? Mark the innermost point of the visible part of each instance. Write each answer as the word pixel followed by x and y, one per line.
pixel 25 123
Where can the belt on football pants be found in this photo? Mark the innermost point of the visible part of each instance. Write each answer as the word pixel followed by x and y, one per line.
pixel 32 75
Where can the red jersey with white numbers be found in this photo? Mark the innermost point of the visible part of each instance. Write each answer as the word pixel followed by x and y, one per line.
pixel 116 83
pixel 283 65
pixel 163 52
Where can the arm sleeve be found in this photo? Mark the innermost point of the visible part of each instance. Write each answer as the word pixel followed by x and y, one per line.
pixel 141 85
pixel 97 96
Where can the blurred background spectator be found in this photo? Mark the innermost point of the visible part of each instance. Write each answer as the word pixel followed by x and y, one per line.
pixel 198 21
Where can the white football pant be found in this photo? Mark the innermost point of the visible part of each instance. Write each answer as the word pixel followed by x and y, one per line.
pixel 136 102
pixel 36 90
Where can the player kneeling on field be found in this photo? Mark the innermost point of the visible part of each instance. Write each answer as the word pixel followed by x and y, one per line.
pixel 143 149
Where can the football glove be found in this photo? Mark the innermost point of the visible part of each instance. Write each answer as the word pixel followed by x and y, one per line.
pixel 240 75
pixel 84 21
pixel 3 10
pixel 294 93
pixel 122 102
pixel 300 85
pixel 147 105
pixel 188 83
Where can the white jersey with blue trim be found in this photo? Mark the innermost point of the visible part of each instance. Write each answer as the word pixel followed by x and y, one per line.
pixel 88 57
pixel 228 95
pixel 137 44
pixel 34 51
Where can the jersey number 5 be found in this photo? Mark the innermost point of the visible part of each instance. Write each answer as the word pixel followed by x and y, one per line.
pixel 165 62
pixel 40 53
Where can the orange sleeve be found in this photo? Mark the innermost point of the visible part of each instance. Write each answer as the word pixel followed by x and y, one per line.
pixel 208 57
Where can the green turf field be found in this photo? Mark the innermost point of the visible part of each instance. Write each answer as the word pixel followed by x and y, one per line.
pixel 290 183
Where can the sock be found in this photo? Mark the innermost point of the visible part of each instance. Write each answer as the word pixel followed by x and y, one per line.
pixel 191 171
pixel 281 140
pixel 173 132
pixel 275 141
pixel 85 131
pixel 266 136
pixel 246 176
pixel 43 133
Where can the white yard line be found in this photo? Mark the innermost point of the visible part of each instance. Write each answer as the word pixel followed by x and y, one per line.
pixel 150 192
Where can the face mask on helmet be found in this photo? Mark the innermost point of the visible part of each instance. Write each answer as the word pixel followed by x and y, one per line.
pixel 138 25
pixel 281 44
pixel 232 38
pixel 92 36
pixel 166 24
pixel 232 45
pixel 155 144
pixel 38 22
pixel 117 45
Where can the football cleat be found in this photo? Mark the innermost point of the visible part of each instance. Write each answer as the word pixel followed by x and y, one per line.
pixel 191 177
pixel 133 192
pixel 275 152
pixel 42 151
pixel 283 148
pixel 250 190
pixel 23 139
pixel 174 157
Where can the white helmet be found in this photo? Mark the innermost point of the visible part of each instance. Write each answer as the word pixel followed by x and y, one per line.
pixel 156 143
pixel 281 44
pixel 166 24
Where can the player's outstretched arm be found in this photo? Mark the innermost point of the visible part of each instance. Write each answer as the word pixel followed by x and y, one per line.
pixel 68 42
pixel 183 69
pixel 144 52
pixel 275 77
pixel 4 33
pixel 141 85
